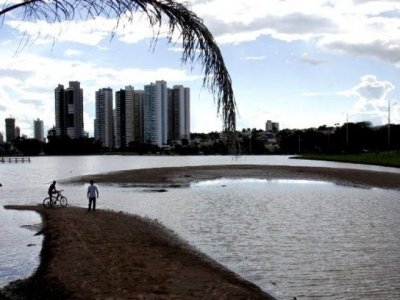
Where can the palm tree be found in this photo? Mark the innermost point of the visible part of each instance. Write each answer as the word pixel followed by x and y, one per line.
pixel 197 42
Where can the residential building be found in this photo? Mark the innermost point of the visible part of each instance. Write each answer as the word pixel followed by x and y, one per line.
pixel 155 113
pixel 17 132
pixel 10 129
pixel 104 122
pixel 178 113
pixel 38 130
pixel 69 110
pixel 138 115
pixel 124 123
pixel 272 126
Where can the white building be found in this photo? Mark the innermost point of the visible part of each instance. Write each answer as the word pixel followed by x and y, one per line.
pixel 104 122
pixel 155 113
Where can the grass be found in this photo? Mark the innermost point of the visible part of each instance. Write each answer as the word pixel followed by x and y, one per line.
pixel 390 158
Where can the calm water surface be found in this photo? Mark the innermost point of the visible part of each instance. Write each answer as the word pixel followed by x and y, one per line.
pixel 293 238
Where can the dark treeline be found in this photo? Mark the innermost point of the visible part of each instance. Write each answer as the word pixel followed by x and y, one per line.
pixel 348 138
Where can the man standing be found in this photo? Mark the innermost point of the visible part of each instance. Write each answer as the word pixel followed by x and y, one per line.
pixel 92 194
pixel 52 190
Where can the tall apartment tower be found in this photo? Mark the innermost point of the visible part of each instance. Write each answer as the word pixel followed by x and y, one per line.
pixel 38 130
pixel 60 111
pixel 17 132
pixel 178 113
pixel 155 113
pixel 138 115
pixel 10 129
pixel 69 110
pixel 104 122
pixel 124 123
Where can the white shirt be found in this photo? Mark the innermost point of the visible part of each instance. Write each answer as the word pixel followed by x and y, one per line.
pixel 92 189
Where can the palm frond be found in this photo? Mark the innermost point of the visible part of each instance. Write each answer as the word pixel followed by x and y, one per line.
pixel 197 41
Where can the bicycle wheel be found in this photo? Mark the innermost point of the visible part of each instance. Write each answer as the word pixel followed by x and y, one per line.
pixel 47 203
pixel 63 201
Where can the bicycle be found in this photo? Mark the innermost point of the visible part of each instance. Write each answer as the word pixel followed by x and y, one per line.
pixel 58 199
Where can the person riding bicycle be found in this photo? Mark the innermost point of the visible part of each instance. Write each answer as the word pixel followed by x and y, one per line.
pixel 52 190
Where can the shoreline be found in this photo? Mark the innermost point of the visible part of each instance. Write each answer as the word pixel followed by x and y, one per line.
pixel 115 255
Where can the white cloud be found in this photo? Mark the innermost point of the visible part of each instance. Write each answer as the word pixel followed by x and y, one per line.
pixel 262 57
pixel 73 52
pixel 372 99
pixel 363 27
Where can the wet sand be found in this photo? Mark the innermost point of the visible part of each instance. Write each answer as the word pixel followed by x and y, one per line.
pixel 119 256
pixel 111 255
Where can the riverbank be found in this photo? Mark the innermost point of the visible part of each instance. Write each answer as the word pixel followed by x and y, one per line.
pixel 119 256
pixel 387 159
pixel 184 176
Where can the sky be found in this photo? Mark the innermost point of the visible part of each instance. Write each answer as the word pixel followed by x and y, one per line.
pixel 300 63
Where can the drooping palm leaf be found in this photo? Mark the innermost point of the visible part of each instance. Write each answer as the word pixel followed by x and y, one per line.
pixel 197 42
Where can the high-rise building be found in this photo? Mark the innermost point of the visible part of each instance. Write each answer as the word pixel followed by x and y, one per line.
pixel 104 122
pixel 1 138
pixel 60 111
pixel 10 129
pixel 69 110
pixel 178 113
pixel 272 126
pixel 138 115
pixel 124 123
pixel 155 113
pixel 38 130
pixel 17 132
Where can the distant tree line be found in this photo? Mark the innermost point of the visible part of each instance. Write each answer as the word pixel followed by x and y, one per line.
pixel 348 138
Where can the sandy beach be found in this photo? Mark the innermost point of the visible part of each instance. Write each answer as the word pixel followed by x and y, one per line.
pixel 113 255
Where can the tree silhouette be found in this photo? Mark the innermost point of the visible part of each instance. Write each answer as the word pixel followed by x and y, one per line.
pixel 197 41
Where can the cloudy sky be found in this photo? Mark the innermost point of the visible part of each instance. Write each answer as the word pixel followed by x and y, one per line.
pixel 300 63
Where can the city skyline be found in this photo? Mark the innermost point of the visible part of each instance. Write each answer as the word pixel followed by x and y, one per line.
pixel 301 65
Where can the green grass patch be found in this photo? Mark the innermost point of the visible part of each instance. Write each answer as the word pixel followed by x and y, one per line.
pixel 390 159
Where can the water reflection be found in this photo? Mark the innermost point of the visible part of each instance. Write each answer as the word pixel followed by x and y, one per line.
pixel 303 239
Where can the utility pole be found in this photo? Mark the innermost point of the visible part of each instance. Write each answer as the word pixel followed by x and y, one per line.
pixel 388 137
pixel 347 131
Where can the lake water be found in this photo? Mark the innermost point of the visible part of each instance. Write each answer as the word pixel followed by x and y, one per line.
pixel 308 239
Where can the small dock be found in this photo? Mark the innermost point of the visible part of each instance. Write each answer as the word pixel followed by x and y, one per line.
pixel 15 159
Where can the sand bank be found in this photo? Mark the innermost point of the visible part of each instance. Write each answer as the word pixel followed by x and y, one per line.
pixel 110 255
pixel 183 176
